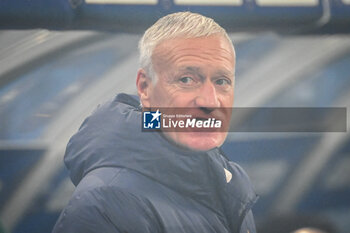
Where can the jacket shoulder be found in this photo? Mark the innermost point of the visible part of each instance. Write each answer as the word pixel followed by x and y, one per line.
pixel 98 205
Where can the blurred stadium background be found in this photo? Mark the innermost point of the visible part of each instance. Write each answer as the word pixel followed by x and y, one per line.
pixel 51 80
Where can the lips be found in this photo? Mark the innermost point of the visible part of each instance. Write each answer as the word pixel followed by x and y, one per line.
pixel 201 118
pixel 217 115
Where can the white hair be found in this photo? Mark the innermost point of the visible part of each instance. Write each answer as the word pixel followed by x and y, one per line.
pixel 181 24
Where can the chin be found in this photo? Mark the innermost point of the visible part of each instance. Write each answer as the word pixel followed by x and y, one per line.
pixel 202 141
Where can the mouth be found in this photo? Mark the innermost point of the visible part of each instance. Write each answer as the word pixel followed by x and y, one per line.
pixel 206 118
pixel 201 118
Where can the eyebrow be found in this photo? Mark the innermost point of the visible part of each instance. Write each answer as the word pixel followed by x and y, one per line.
pixel 194 69
pixel 198 70
pixel 224 72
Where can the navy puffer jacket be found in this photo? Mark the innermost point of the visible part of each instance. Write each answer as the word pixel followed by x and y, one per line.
pixel 137 182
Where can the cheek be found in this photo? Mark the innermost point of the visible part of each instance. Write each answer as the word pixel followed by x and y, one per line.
pixel 159 91
pixel 227 100
pixel 171 96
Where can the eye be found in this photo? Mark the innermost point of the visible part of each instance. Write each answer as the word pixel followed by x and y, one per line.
pixel 186 80
pixel 222 82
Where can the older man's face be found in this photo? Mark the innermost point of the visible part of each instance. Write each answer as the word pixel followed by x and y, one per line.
pixel 196 73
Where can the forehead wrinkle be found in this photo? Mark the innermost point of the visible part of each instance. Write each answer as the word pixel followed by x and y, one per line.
pixel 166 49
pixel 169 54
pixel 206 53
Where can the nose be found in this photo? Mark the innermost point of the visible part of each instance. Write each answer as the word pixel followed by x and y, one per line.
pixel 207 96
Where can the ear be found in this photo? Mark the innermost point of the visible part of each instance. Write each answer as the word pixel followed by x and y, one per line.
pixel 144 88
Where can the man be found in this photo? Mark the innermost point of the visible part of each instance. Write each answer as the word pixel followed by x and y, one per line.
pixel 133 181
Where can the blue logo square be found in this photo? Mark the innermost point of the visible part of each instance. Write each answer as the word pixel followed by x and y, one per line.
pixel 151 120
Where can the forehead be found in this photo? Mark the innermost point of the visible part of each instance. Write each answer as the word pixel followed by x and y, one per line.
pixel 212 50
